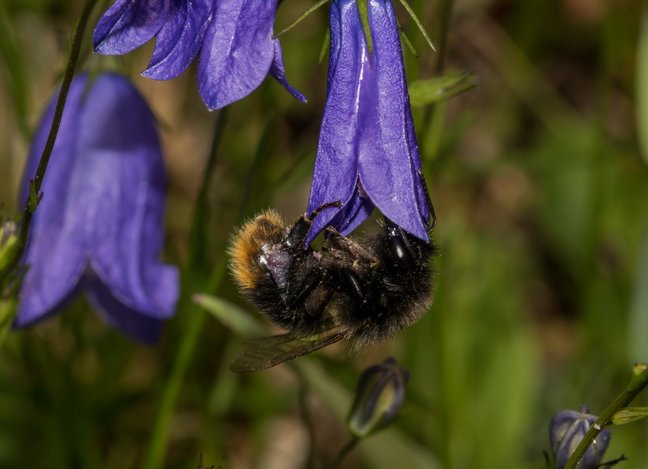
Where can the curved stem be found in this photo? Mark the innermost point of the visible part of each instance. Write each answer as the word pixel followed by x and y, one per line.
pixel 346 449
pixel 36 183
pixel 637 383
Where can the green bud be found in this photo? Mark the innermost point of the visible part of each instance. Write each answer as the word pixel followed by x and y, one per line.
pixel 8 243
pixel 378 398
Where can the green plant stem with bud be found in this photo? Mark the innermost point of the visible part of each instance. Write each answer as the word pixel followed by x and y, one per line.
pixel 638 382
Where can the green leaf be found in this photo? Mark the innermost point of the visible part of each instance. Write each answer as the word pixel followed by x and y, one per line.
pixel 642 86
pixel 232 316
pixel 629 414
pixel 434 90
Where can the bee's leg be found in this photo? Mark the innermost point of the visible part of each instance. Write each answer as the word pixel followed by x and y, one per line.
pixel 337 239
pixel 351 285
pixel 311 216
pixel 297 294
pixel 297 234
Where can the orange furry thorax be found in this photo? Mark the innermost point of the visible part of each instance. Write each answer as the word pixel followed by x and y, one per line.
pixel 247 244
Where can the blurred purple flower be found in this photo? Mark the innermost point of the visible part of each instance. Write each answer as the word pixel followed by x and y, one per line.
pixel 567 429
pixel 378 397
pixel 99 225
pixel 233 38
pixel 367 155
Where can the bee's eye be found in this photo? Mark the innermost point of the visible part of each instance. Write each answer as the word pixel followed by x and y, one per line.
pixel 400 249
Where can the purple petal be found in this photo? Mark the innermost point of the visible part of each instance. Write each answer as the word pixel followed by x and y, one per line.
pixel 128 24
pixel 336 172
pixel 278 72
pixel 180 38
pixel 55 253
pixel 354 212
pixel 123 189
pixel 387 158
pixel 237 52
pixel 140 327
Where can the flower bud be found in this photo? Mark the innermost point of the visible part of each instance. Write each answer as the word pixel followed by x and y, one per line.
pixel 567 429
pixel 379 395
pixel 8 242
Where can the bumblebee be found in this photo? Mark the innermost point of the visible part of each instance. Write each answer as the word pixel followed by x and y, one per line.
pixel 363 290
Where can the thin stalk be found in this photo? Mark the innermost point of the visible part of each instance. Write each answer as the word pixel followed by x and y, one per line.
pixel 434 116
pixel 637 383
pixel 344 452
pixel 303 16
pixel 37 182
pixel 196 316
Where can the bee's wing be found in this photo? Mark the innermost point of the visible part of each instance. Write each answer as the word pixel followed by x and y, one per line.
pixel 265 352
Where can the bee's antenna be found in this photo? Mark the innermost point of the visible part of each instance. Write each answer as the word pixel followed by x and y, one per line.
pixel 312 215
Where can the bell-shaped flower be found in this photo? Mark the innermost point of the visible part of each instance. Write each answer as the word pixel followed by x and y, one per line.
pixel 233 38
pixel 99 226
pixel 567 429
pixel 367 154
pixel 378 398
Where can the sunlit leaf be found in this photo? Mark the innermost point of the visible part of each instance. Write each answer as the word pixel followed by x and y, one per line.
pixel 232 316
pixel 434 90
pixel 629 414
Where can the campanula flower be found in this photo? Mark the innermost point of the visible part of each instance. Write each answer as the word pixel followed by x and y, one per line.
pixel 232 37
pixel 367 154
pixel 378 397
pixel 98 227
pixel 567 429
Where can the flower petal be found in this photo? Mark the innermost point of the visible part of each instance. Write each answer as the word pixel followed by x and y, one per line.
pixel 387 157
pixel 123 189
pixel 237 52
pixel 55 252
pixel 180 38
pixel 336 173
pixel 128 24
pixel 140 327
pixel 354 212
pixel 278 72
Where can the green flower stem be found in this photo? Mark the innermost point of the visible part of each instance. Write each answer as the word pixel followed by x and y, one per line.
pixel 196 316
pixel 346 449
pixel 434 118
pixel 37 181
pixel 637 383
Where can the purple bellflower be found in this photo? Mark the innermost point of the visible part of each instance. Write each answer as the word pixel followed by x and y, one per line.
pixel 99 225
pixel 233 38
pixel 367 155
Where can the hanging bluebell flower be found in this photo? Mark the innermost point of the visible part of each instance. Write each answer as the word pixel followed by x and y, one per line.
pixel 567 429
pixel 378 397
pixel 233 38
pixel 367 155
pixel 99 225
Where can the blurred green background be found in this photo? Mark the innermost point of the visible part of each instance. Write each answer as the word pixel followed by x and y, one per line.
pixel 539 180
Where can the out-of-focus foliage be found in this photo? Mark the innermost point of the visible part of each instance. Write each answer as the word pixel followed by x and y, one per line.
pixel 541 197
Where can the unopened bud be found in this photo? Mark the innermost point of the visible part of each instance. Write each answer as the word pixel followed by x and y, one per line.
pixel 567 429
pixel 8 242
pixel 378 398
